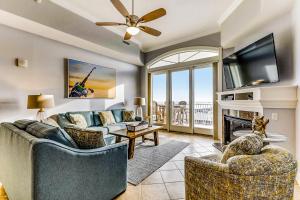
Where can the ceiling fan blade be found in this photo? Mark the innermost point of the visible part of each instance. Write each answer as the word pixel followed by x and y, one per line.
pixel 153 15
pixel 127 36
pixel 109 24
pixel 150 31
pixel 120 7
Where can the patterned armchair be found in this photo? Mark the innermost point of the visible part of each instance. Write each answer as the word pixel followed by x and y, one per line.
pixel 267 175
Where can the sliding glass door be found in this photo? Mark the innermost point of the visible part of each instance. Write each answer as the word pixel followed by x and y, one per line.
pixel 203 99
pixel 182 99
pixel 159 98
pixel 180 108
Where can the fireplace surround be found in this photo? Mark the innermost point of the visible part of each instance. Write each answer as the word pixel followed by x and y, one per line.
pixel 242 104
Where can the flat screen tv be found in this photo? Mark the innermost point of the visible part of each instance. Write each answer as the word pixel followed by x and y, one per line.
pixel 253 65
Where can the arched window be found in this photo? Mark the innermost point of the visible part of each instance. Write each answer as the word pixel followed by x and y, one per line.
pixel 183 55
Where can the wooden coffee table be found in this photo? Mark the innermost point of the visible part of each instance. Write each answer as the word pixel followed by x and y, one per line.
pixel 133 135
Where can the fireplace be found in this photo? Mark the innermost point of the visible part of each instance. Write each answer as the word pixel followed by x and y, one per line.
pixel 232 124
pixel 234 120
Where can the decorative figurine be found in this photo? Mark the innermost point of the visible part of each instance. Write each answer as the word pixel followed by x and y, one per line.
pixel 259 125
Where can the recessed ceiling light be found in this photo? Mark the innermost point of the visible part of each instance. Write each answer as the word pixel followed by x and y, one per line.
pixel 38 1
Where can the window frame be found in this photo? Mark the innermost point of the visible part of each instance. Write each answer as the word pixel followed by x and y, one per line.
pixel 187 63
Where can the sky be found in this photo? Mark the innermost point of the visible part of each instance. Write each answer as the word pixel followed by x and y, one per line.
pixel 203 83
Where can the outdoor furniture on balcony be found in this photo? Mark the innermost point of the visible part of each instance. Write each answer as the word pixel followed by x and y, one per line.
pixel 158 112
pixel 203 114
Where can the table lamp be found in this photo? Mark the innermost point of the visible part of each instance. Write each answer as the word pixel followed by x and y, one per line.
pixel 139 102
pixel 40 102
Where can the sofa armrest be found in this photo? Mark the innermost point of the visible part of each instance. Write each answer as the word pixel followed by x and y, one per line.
pixel 202 177
pixel 61 172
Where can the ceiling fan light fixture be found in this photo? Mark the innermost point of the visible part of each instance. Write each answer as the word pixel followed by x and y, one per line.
pixel 132 30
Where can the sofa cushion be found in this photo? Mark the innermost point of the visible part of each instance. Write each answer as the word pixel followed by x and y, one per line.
pixel 22 124
pixel 41 130
pixel 108 138
pixel 78 120
pixel 250 144
pixel 128 116
pixel 88 116
pixel 107 118
pixel 118 115
pixel 98 128
pixel 63 121
pixel 116 127
pixel 86 139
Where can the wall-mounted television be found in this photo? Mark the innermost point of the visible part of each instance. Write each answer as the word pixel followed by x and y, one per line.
pixel 253 65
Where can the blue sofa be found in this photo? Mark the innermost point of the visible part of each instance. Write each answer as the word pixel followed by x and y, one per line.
pixel 43 169
pixel 94 122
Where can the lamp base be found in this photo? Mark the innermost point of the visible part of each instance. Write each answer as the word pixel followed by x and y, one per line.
pixel 41 115
pixel 139 112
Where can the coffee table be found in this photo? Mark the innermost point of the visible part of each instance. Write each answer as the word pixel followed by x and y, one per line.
pixel 133 135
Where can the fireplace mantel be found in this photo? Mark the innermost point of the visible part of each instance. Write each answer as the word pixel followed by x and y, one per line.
pixel 259 98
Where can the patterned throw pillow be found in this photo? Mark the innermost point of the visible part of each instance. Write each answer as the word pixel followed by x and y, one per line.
pixel 86 139
pixel 107 118
pixel 250 144
pixel 128 116
pixel 78 120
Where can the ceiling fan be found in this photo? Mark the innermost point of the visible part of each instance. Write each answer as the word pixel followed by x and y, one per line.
pixel 133 22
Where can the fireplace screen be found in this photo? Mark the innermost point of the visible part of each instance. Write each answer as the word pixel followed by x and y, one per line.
pixel 232 124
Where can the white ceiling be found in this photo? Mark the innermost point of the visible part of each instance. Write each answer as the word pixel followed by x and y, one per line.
pixel 185 19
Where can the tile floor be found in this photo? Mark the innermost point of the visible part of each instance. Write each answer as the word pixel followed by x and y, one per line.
pixel 167 183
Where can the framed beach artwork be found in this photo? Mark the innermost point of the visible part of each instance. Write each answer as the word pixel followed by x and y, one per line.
pixel 88 81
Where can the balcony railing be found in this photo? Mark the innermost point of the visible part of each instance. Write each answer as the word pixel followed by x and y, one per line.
pixel 203 114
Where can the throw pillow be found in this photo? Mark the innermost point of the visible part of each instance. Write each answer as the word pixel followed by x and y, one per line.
pixel 88 116
pixel 118 114
pixel 78 120
pixel 86 139
pixel 51 121
pixel 246 145
pixel 22 124
pixel 63 121
pixel 128 116
pixel 107 118
pixel 41 130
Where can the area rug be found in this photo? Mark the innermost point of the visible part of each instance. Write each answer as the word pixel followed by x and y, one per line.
pixel 148 158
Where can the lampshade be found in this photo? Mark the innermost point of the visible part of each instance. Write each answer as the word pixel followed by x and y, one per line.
pixel 40 101
pixel 139 101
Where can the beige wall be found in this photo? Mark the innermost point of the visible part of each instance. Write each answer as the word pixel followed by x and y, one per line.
pixel 45 74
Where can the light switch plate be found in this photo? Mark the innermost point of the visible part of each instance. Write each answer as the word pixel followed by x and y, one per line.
pixel 274 116
pixel 22 63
